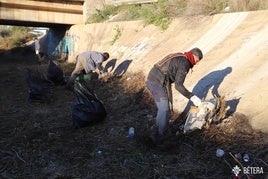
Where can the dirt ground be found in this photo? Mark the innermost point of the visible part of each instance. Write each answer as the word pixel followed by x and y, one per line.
pixel 39 141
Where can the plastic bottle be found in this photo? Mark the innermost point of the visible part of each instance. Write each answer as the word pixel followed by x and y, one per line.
pixel 131 132
pixel 220 153
pixel 99 152
pixel 246 158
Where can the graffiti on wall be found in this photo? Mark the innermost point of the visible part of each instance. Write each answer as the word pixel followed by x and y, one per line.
pixel 58 44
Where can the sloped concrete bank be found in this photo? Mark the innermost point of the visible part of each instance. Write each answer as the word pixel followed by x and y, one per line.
pixel 235 47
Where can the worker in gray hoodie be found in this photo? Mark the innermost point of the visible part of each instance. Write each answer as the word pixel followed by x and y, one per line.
pixel 88 61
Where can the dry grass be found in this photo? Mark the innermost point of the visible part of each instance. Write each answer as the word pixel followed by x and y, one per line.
pixel 205 7
pixel 38 140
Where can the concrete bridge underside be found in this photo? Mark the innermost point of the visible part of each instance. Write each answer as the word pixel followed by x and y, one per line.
pixel 41 13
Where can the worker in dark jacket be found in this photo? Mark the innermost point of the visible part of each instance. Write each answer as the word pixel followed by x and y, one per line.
pixel 87 61
pixel 172 69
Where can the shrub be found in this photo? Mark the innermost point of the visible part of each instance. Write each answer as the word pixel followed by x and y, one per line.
pixel 4 32
pixel 118 31
pixel 156 14
pixel 103 15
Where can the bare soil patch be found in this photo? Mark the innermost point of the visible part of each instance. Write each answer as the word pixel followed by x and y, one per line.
pixel 38 140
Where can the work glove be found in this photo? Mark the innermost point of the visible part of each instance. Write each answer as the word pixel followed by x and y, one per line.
pixel 196 100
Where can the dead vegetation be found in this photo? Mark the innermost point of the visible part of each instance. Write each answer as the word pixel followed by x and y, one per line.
pixel 38 140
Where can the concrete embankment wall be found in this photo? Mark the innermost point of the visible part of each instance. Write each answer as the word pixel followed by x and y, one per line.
pixel 235 47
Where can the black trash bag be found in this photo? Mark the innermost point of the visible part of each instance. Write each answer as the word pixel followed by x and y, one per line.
pixel 87 108
pixel 39 86
pixel 55 73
